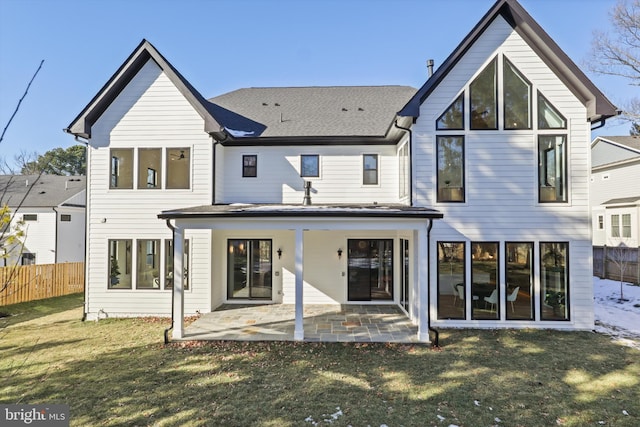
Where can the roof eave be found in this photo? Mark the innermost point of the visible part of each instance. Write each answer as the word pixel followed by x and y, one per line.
pixel 145 51
pixel 599 108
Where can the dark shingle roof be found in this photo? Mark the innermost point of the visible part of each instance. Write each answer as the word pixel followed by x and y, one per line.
pixel 342 111
pixel 629 141
pixel 48 191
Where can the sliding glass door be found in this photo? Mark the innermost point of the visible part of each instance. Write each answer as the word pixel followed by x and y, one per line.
pixel 370 269
pixel 249 269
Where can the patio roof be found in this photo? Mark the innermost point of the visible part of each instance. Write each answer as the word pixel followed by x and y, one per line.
pixel 238 210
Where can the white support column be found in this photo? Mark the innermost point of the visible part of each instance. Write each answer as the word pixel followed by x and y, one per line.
pixel 298 333
pixel 420 238
pixel 178 283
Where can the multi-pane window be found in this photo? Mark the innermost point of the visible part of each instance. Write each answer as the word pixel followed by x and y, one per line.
pixel 484 99
pixel 600 222
pixel 310 165
pixel 178 168
pixel 554 281
pixel 370 169
pixel 626 225
pixel 519 281
pixel 485 294
pixel 149 168
pixel 615 225
pixel 148 264
pixel 121 168
pixel 451 280
pixel 249 166
pixel 552 168
pixel 548 116
pixel 453 116
pixel 517 98
pixel 119 264
pixel 450 179
pixel 168 264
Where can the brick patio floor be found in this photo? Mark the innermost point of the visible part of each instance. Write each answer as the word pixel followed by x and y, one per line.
pixel 322 323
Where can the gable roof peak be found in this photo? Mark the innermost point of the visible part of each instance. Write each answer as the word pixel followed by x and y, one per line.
pixel 599 108
pixel 141 55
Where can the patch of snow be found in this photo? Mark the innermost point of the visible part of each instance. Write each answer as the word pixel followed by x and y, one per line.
pixel 619 319
pixel 624 412
pixel 440 417
pixel 238 133
pixel 476 403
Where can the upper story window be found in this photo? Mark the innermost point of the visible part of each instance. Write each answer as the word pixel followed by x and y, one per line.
pixel 370 169
pixel 249 166
pixel 626 225
pixel 149 168
pixel 450 178
pixel 548 115
pixel 615 225
pixel 310 165
pixel 65 218
pixel 600 222
pixel 453 116
pixel 121 168
pixel 30 217
pixel 483 95
pixel 552 168
pixel 517 98
pixel 178 168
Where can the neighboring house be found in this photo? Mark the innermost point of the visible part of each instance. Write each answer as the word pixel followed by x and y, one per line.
pixel 465 202
pixel 53 217
pixel 615 203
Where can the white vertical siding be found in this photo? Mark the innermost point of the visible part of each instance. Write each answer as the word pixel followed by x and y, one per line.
pixel 501 170
pixel 151 113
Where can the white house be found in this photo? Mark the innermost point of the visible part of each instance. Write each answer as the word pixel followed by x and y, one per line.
pixel 615 190
pixel 52 211
pixel 465 202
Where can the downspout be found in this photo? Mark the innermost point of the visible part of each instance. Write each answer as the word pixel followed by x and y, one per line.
pixel 435 332
pixel 55 261
pixel 410 159
pixel 86 227
pixel 173 238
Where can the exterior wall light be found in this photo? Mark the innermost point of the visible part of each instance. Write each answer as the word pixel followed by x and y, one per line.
pixel 279 252
pixel 339 253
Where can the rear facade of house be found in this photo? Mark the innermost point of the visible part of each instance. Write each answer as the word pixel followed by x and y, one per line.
pixel 464 202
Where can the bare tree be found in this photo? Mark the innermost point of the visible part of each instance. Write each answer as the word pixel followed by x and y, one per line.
pixel 620 256
pixel 618 53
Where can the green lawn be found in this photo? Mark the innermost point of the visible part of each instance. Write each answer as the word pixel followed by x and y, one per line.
pixel 118 372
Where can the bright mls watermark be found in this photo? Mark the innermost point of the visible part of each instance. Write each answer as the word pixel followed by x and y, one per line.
pixel 34 415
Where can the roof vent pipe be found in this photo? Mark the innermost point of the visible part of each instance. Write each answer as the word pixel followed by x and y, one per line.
pixel 307 193
pixel 430 66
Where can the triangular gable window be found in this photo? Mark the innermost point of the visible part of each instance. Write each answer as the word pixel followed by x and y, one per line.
pixel 517 98
pixel 548 115
pixel 453 117
pixel 484 98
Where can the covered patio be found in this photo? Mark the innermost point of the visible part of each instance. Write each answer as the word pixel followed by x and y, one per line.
pixel 322 323
pixel 311 241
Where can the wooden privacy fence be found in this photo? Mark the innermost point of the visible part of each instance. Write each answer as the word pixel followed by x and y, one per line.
pixel 33 282
pixel 606 267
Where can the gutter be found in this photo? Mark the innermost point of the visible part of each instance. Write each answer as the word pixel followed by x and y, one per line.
pixel 166 331
pixel 436 334
pixel 408 130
